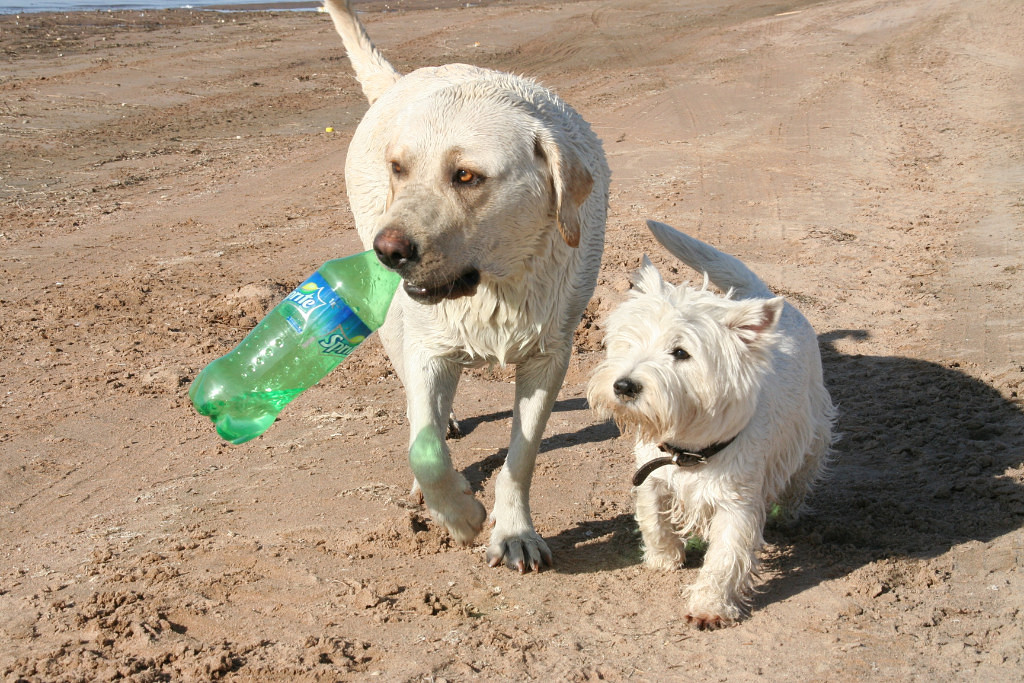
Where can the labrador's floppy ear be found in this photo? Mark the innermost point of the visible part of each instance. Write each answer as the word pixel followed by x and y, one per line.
pixel 571 181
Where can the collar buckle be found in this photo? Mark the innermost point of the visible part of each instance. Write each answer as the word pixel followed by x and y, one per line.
pixel 679 457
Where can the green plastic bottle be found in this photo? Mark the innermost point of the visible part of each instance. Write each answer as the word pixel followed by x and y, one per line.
pixel 301 340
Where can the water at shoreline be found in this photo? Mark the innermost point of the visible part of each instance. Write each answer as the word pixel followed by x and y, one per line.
pixel 24 7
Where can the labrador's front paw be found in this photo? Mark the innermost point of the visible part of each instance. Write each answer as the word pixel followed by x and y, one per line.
pixel 519 549
pixel 451 504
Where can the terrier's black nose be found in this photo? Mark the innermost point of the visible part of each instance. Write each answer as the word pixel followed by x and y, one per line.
pixel 394 248
pixel 627 388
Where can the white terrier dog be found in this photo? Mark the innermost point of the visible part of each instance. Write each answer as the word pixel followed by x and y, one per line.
pixel 725 395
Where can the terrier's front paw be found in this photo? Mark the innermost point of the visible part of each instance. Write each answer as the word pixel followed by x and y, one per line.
pixel 519 550
pixel 708 610
pixel 664 562
pixel 664 553
pixel 707 622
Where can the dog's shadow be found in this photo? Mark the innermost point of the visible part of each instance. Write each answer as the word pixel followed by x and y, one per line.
pixel 592 434
pixel 479 472
pixel 589 546
pixel 921 467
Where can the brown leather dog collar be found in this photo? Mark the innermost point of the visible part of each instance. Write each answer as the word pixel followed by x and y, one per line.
pixel 680 457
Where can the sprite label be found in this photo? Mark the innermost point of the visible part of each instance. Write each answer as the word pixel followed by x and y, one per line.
pixel 314 310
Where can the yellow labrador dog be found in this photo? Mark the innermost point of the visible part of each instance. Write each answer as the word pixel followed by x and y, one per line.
pixel 489 195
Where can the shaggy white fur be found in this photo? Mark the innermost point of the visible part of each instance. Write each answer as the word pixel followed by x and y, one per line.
pixel 689 369
pixel 489 195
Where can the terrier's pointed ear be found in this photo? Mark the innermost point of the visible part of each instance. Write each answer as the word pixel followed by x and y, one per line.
pixel 647 279
pixel 754 320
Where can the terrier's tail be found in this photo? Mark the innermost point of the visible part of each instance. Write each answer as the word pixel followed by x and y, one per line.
pixel 374 72
pixel 726 272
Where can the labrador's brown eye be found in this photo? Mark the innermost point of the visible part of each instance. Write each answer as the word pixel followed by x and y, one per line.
pixel 396 168
pixel 464 177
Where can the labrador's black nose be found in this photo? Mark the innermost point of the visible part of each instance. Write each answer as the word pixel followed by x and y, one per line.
pixel 395 249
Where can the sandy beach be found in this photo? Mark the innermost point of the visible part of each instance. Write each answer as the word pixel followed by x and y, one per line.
pixel 168 176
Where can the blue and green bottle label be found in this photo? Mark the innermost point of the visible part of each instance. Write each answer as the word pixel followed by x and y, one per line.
pixel 316 311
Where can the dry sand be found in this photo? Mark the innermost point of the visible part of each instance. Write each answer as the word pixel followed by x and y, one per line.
pixel 165 177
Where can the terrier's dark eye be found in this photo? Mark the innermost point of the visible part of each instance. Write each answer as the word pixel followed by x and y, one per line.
pixel 396 168
pixel 680 354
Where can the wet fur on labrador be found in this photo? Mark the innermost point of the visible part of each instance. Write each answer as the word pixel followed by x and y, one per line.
pixel 488 194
